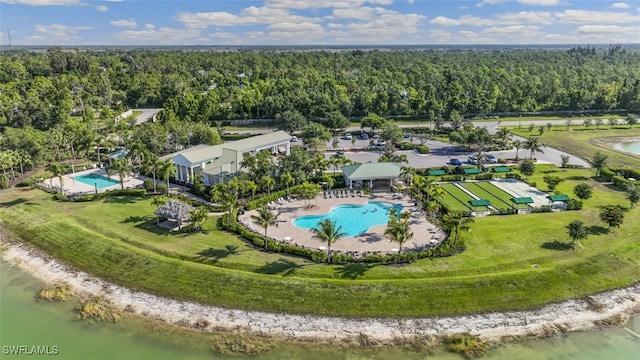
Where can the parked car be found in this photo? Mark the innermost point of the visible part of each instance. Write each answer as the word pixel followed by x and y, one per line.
pixel 364 136
pixel 347 137
pixel 455 162
pixel 491 159
pixel 406 135
pixel 473 160
pixel 294 138
pixel 381 142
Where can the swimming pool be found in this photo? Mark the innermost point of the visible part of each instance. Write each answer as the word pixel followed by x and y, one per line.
pixel 354 219
pixel 94 179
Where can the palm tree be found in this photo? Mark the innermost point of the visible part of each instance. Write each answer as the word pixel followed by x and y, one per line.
pixel 137 154
pixel 120 166
pixel 534 145
pixel 150 166
pixel 251 187
pixel 407 173
pixel 399 230
pixel 517 144
pixel 165 169
pixel 267 182
pixel 319 164
pixel 57 169
pixel 264 219
pixel 198 217
pixel 455 221
pixel 328 233
pixel 287 179
pixel 329 180
pixel 504 136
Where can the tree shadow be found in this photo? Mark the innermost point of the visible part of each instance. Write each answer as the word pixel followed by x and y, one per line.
pixel 578 178
pixel 135 219
pixel 353 270
pixel 122 199
pixel 151 226
pixel 557 245
pixel 14 202
pixel 370 238
pixel 286 267
pixel 212 255
pixel 598 230
pixel 621 207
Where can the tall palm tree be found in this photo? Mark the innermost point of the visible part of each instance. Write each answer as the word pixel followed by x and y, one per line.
pixel 287 179
pixel 264 219
pixel 120 166
pixel 399 231
pixel 251 187
pixel 455 221
pixel 328 233
pixel 165 170
pixel 504 136
pixel 57 169
pixel 137 154
pixel 267 182
pixel 534 145
pixel 198 217
pixel 517 144
pixel 407 173
pixel 319 164
pixel 150 166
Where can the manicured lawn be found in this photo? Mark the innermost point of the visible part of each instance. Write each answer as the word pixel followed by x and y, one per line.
pixel 585 143
pixel 461 196
pixel 455 198
pixel 118 240
pixel 484 193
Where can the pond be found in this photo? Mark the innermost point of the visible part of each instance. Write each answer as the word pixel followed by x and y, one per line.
pixel 632 147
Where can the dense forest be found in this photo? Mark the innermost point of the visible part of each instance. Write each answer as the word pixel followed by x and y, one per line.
pixel 55 103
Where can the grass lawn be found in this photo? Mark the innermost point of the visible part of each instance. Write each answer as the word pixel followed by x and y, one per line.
pixel 483 192
pixel 585 143
pixel 117 240
pixel 461 196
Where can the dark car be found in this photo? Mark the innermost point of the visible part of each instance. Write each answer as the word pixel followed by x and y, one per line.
pixel 491 159
pixel 455 162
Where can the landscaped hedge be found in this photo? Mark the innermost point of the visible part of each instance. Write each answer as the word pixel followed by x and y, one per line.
pixel 104 195
pixel 264 200
pixel 447 248
pixel 620 176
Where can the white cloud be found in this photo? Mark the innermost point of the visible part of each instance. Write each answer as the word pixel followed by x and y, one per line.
pixel 335 26
pixel 620 5
pixel 163 35
pixel 464 20
pixel 607 29
pixel 361 13
pixel 321 4
pixel 148 26
pixel 45 2
pixel 102 8
pixel 55 34
pixel 588 16
pixel 525 17
pixel 113 0
pixel 491 2
pixel 385 28
pixel 410 2
pixel 516 31
pixel 540 2
pixel 296 32
pixel 124 23
pixel 224 35
pixel 248 16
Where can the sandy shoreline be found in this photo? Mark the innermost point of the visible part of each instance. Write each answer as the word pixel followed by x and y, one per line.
pixel 565 316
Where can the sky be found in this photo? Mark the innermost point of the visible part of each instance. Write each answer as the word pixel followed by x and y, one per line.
pixel 317 22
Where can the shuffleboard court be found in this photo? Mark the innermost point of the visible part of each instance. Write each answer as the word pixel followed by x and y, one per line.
pixel 461 196
pixel 496 201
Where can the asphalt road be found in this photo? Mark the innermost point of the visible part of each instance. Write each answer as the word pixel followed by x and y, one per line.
pixel 146 115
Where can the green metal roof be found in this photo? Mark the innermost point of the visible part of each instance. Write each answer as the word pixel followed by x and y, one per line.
pixel 522 200
pixel 561 197
pixel 436 172
pixel 471 171
pixel 372 171
pixel 501 169
pixel 480 202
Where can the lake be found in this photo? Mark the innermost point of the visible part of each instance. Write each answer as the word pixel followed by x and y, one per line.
pixel 628 147
pixel 26 322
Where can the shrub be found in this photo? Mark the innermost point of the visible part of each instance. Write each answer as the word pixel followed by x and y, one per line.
pixel 541 209
pixel 161 188
pixel 574 204
pixel 484 176
pixel 513 175
pixel 29 182
pixel 406 146
pixel 4 184
pixel 148 185
pixel 502 161
pixel 60 196
pixel 423 149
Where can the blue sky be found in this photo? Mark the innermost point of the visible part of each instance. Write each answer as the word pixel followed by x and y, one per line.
pixel 335 22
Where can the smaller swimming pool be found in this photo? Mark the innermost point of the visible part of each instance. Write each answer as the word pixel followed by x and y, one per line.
pixel 354 219
pixel 94 179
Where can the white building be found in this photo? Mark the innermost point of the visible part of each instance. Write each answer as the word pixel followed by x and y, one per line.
pixel 218 163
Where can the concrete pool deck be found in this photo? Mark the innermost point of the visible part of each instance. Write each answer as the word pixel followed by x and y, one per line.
pixel 71 186
pixel 425 234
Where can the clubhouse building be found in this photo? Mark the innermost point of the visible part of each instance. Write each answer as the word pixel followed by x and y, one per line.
pixel 219 163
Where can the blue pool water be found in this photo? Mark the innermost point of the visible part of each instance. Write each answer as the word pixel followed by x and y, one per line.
pixel 96 180
pixel 354 219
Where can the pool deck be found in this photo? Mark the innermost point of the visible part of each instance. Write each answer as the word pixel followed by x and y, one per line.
pixel 72 186
pixel 425 234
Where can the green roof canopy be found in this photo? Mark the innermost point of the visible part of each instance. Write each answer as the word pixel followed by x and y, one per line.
pixel 480 202
pixel 471 171
pixel 522 200
pixel 501 169
pixel 436 172
pixel 554 198
pixel 372 171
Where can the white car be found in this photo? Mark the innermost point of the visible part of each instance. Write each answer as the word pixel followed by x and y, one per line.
pixel 294 138
pixel 347 137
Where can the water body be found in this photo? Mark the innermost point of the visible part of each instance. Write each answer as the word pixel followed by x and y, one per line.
pixel 354 219
pixel 24 321
pixel 628 147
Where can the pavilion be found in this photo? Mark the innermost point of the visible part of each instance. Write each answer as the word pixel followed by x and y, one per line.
pixel 174 211
pixel 358 174
pixel 556 198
